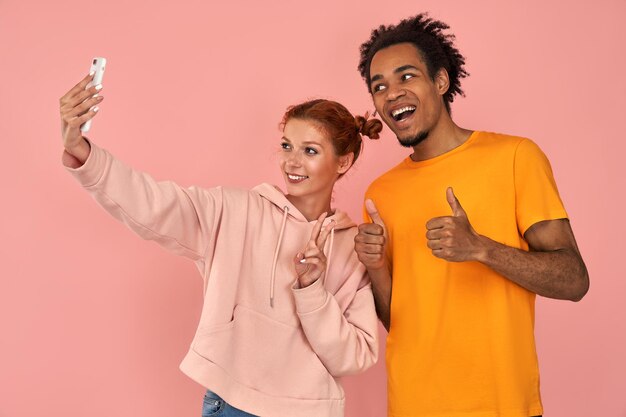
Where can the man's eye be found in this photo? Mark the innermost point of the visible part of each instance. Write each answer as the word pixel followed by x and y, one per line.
pixel 310 151
pixel 378 87
pixel 407 77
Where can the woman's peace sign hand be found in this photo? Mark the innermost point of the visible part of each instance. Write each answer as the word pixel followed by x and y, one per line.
pixel 311 264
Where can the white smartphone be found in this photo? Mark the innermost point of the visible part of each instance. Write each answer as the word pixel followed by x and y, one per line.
pixel 97 66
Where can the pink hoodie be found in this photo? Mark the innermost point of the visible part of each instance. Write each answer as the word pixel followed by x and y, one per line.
pixel 262 345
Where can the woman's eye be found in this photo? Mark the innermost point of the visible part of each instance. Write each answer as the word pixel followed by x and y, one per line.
pixel 285 146
pixel 310 151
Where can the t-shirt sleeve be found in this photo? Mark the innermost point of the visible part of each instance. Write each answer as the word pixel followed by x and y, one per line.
pixel 366 216
pixel 368 194
pixel 536 195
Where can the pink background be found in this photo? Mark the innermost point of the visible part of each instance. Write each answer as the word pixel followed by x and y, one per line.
pixel 94 321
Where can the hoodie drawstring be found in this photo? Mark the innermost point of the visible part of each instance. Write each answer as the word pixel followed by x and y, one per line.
pixel 280 239
pixel 330 252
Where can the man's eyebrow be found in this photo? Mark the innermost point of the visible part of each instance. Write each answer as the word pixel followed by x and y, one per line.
pixel 397 70
pixel 405 67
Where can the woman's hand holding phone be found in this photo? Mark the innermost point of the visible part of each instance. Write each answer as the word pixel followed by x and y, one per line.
pixel 78 106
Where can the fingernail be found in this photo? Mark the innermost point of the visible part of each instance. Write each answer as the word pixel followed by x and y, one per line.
pixel 91 74
pixel 99 87
pixel 95 109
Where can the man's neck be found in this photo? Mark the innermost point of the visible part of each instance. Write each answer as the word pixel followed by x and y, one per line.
pixel 444 137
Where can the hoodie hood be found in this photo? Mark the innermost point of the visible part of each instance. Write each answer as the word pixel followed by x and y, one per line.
pixel 275 195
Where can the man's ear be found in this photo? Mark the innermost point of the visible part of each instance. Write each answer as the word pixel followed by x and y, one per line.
pixel 442 81
pixel 345 162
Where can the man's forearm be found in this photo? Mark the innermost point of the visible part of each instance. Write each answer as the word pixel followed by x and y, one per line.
pixel 557 274
pixel 381 287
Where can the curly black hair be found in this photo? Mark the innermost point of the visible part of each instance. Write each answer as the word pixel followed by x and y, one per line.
pixel 436 49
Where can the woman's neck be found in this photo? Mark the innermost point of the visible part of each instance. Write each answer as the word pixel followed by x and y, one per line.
pixel 311 206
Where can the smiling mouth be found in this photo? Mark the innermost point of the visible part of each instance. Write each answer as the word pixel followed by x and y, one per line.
pixel 296 178
pixel 402 113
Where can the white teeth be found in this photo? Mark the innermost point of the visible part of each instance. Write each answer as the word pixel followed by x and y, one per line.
pixel 402 110
pixel 296 177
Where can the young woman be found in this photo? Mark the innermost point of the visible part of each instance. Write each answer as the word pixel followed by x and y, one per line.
pixel 288 307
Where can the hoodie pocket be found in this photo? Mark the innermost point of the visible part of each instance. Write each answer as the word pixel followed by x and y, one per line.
pixel 267 356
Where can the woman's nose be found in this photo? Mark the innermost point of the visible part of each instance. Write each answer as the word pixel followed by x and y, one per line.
pixel 294 159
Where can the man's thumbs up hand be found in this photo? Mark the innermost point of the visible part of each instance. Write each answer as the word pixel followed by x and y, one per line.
pixel 452 237
pixel 370 242
pixel 457 210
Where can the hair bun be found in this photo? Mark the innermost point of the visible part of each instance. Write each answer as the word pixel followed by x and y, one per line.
pixel 370 128
pixel 359 121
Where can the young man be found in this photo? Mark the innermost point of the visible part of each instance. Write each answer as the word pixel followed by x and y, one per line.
pixel 470 226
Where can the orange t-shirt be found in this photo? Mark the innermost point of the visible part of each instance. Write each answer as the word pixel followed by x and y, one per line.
pixel 462 336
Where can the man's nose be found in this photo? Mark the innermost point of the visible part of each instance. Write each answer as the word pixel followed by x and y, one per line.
pixel 394 92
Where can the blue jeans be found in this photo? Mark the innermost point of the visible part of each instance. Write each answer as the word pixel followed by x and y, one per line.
pixel 215 406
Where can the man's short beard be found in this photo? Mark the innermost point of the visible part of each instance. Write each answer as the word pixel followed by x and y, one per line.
pixel 415 140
